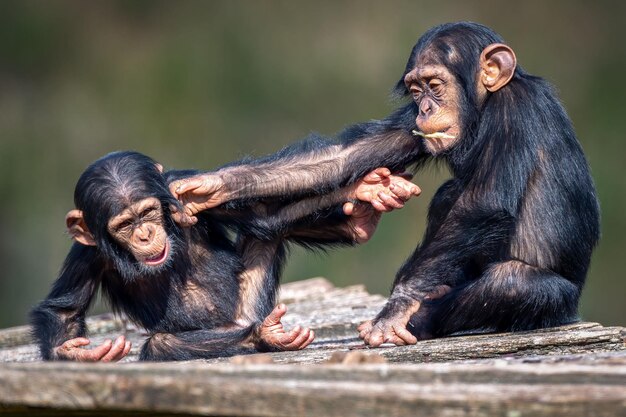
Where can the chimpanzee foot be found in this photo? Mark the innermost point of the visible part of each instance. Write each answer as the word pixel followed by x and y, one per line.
pixel 402 321
pixel 375 333
pixel 421 324
pixel 273 336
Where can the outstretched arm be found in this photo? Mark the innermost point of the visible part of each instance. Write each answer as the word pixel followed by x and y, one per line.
pixel 59 321
pixel 381 189
pixel 320 219
pixel 313 167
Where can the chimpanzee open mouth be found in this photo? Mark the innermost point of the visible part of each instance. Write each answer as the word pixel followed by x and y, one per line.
pixel 159 258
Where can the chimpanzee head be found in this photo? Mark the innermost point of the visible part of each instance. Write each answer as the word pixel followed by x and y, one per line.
pixel 123 208
pixel 452 70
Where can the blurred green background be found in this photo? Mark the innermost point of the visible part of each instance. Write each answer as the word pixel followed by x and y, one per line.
pixel 198 84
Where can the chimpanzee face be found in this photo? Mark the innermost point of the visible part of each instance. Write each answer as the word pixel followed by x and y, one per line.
pixel 441 98
pixel 435 91
pixel 140 229
pixel 123 210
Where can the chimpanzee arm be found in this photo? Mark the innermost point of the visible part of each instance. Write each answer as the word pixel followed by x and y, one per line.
pixel 59 321
pixel 460 238
pixel 325 218
pixel 464 239
pixel 319 171
pixel 316 165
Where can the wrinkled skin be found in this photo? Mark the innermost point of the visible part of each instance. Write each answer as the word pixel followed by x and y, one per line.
pixel 272 334
pixel 109 351
pixel 139 229
pixel 436 93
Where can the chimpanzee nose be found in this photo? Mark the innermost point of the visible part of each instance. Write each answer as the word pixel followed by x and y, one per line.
pixel 144 234
pixel 425 107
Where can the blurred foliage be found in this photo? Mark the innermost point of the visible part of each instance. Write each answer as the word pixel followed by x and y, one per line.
pixel 198 84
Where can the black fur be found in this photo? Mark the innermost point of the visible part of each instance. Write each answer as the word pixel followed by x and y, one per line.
pixel 185 323
pixel 512 233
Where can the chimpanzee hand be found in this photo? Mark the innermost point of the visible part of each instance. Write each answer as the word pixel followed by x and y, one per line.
pixel 273 336
pixel 196 194
pixel 386 191
pixel 363 221
pixel 109 351
pixel 393 330
pixel 390 326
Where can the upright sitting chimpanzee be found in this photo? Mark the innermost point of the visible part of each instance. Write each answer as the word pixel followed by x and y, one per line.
pixel 509 237
pixel 197 292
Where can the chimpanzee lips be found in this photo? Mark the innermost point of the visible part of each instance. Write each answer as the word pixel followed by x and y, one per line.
pixel 159 258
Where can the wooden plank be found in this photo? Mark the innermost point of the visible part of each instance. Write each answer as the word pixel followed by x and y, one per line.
pixel 329 390
pixel 574 370
pixel 579 338
pixel 334 314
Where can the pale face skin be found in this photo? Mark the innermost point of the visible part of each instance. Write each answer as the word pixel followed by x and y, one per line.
pixel 139 229
pixel 436 93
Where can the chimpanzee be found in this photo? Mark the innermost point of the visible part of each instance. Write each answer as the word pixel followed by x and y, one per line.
pixel 199 292
pixel 509 237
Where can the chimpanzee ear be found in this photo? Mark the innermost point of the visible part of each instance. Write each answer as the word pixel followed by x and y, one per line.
pixel 497 63
pixel 77 228
pixel 159 167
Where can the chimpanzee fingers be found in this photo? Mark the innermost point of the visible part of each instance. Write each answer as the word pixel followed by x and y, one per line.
pixel 364 334
pixel 182 218
pixel 401 191
pixel 366 326
pixel 390 201
pixel 375 338
pixel 365 329
pixel 404 189
pixel 275 316
pixel 379 206
pixel 348 208
pixel 389 335
pixel 284 340
pixel 185 219
pixel 392 338
pixel 118 348
pixel 309 340
pixel 127 347
pixel 377 175
pixel 413 189
pixel 302 337
pixel 123 353
pixel 177 188
pixel 406 175
pixel 93 355
pixel 185 185
pixel 76 342
pixel 402 333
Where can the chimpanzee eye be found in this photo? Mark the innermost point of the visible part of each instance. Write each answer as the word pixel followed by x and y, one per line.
pixel 124 226
pixel 148 211
pixel 436 86
pixel 416 92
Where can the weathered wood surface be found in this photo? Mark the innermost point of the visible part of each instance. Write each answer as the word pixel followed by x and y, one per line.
pixel 576 370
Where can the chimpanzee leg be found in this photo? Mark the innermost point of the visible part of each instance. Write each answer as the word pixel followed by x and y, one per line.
pixel 258 283
pixel 263 261
pixel 509 296
pixel 197 344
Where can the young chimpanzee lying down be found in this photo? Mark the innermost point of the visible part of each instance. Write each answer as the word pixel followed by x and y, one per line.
pixel 198 291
